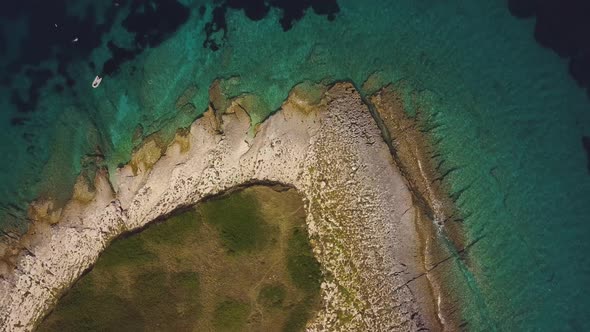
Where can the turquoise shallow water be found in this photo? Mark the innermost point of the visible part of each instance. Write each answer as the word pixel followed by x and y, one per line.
pixel 511 120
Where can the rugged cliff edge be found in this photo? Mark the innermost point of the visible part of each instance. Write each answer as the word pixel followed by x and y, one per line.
pixel 361 212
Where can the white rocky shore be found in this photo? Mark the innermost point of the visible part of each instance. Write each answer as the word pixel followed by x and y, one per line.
pixel 359 211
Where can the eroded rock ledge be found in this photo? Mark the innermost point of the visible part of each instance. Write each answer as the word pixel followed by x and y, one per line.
pixel 360 211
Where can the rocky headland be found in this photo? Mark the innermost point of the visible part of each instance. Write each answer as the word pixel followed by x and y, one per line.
pixel 373 202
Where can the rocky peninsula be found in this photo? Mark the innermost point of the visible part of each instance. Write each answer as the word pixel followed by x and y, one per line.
pixel 369 211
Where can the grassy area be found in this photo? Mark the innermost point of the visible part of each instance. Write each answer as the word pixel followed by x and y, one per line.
pixel 241 262
pixel 176 228
pixel 84 308
pixel 231 315
pixel 131 250
pixel 238 221
pixel 298 316
pixel 272 296
pixel 303 268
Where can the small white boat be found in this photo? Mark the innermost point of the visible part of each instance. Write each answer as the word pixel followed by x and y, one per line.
pixel 96 82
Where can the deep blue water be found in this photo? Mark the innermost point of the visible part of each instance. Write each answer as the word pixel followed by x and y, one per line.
pixel 506 81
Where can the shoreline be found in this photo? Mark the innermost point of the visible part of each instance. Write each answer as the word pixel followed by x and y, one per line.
pixel 302 161
pixel 437 220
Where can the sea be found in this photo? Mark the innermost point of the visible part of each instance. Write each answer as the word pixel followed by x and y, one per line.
pixel 506 83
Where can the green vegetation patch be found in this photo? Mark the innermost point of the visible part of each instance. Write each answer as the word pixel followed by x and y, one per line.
pixel 125 251
pixel 231 315
pixel 237 218
pixel 303 268
pixel 272 296
pixel 186 287
pixel 186 282
pixel 148 287
pixel 85 308
pixel 175 230
pixel 167 299
pixel 298 316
